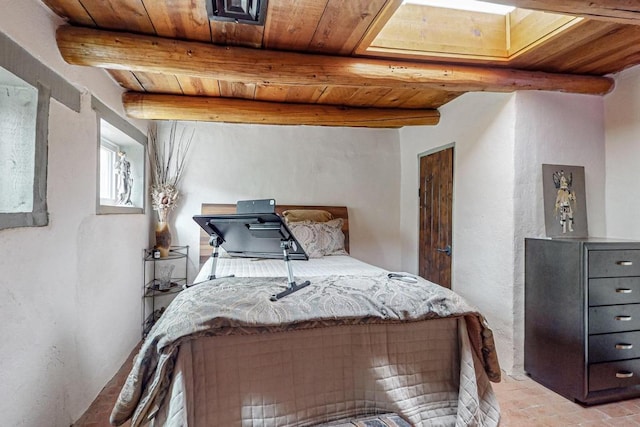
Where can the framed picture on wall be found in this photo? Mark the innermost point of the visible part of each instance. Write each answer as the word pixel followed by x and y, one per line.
pixel 565 205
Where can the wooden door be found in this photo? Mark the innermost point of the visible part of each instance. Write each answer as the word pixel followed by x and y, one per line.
pixel 436 202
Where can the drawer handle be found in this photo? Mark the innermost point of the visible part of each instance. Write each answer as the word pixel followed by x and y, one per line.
pixel 624 346
pixel 625 263
pixel 623 318
pixel 624 290
pixel 624 374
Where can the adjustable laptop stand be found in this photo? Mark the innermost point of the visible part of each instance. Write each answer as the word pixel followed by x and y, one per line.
pixel 255 236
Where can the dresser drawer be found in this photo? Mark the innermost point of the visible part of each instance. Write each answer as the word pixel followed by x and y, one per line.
pixel 609 291
pixel 614 263
pixel 623 373
pixel 614 318
pixel 609 347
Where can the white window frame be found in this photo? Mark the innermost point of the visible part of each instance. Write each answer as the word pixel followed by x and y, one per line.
pixel 108 172
pixel 104 113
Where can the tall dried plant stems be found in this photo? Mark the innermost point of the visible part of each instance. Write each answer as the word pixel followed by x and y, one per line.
pixel 167 160
pixel 168 157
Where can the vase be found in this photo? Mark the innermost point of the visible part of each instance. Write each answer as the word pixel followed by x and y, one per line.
pixel 163 238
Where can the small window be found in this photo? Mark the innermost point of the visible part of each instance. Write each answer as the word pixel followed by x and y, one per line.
pixel 121 164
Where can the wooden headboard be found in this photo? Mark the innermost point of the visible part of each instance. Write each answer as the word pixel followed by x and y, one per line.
pixel 216 209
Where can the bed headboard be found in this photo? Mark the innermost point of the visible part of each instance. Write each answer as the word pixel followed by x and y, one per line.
pixel 215 209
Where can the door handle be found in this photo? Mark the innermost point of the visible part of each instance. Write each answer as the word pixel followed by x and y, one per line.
pixel 445 250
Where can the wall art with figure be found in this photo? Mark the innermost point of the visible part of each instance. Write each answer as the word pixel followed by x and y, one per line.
pixel 565 205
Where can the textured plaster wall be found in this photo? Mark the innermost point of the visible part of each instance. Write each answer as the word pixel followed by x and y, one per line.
pixel 552 128
pixel 299 165
pixel 501 141
pixel 70 306
pixel 482 128
pixel 622 112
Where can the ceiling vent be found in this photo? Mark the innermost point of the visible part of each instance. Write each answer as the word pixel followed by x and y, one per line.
pixel 238 11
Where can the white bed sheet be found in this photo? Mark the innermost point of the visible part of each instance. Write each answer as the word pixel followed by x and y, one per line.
pixel 258 267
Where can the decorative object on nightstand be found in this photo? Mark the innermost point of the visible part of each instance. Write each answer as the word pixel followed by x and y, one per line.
pixel 582 317
pixel 167 158
pixel 163 278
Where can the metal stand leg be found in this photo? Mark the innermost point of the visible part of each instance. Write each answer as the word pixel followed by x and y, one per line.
pixel 214 241
pixel 293 286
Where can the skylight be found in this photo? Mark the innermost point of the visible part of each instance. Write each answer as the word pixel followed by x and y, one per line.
pixel 472 5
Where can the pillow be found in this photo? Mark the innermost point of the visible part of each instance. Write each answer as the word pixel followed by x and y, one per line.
pixel 307 234
pixel 299 215
pixel 332 237
pixel 320 238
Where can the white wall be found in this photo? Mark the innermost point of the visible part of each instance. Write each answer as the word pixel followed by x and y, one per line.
pixel 552 128
pixel 501 142
pixel 357 168
pixel 622 112
pixel 482 128
pixel 70 311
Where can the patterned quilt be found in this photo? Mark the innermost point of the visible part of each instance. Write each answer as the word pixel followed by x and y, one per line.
pixel 242 306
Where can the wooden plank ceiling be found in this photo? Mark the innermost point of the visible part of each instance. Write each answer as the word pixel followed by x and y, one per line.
pixel 316 61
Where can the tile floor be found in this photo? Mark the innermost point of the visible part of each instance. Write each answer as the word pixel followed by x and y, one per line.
pixel 524 403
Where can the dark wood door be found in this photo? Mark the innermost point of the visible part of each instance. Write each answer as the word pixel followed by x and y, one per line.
pixel 436 202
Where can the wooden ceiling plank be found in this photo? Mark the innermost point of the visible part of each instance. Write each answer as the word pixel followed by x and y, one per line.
pixel 232 34
pixel 620 11
pixel 378 24
pixel 337 95
pixel 83 46
pixel 198 87
pixel 72 11
pixel 305 94
pixel 528 28
pixel 550 57
pixel 171 107
pixel 592 47
pixel 368 97
pixel 237 90
pixel 185 20
pixel 159 83
pixel 428 98
pixel 127 80
pixel 343 24
pixel 394 98
pixel 607 54
pixel 126 15
pixel 271 93
pixel 291 24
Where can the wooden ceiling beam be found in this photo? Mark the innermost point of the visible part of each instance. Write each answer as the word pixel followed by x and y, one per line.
pixel 229 110
pixel 133 52
pixel 619 11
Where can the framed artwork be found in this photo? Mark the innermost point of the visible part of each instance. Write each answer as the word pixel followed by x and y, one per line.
pixel 565 205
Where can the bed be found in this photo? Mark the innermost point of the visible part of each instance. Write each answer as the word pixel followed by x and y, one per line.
pixel 353 348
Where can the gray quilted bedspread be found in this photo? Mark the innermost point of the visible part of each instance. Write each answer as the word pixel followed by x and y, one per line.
pixel 242 306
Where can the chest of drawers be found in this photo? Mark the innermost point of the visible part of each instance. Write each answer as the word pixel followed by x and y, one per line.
pixel 582 317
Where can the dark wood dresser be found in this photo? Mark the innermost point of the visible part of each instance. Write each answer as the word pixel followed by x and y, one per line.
pixel 582 317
